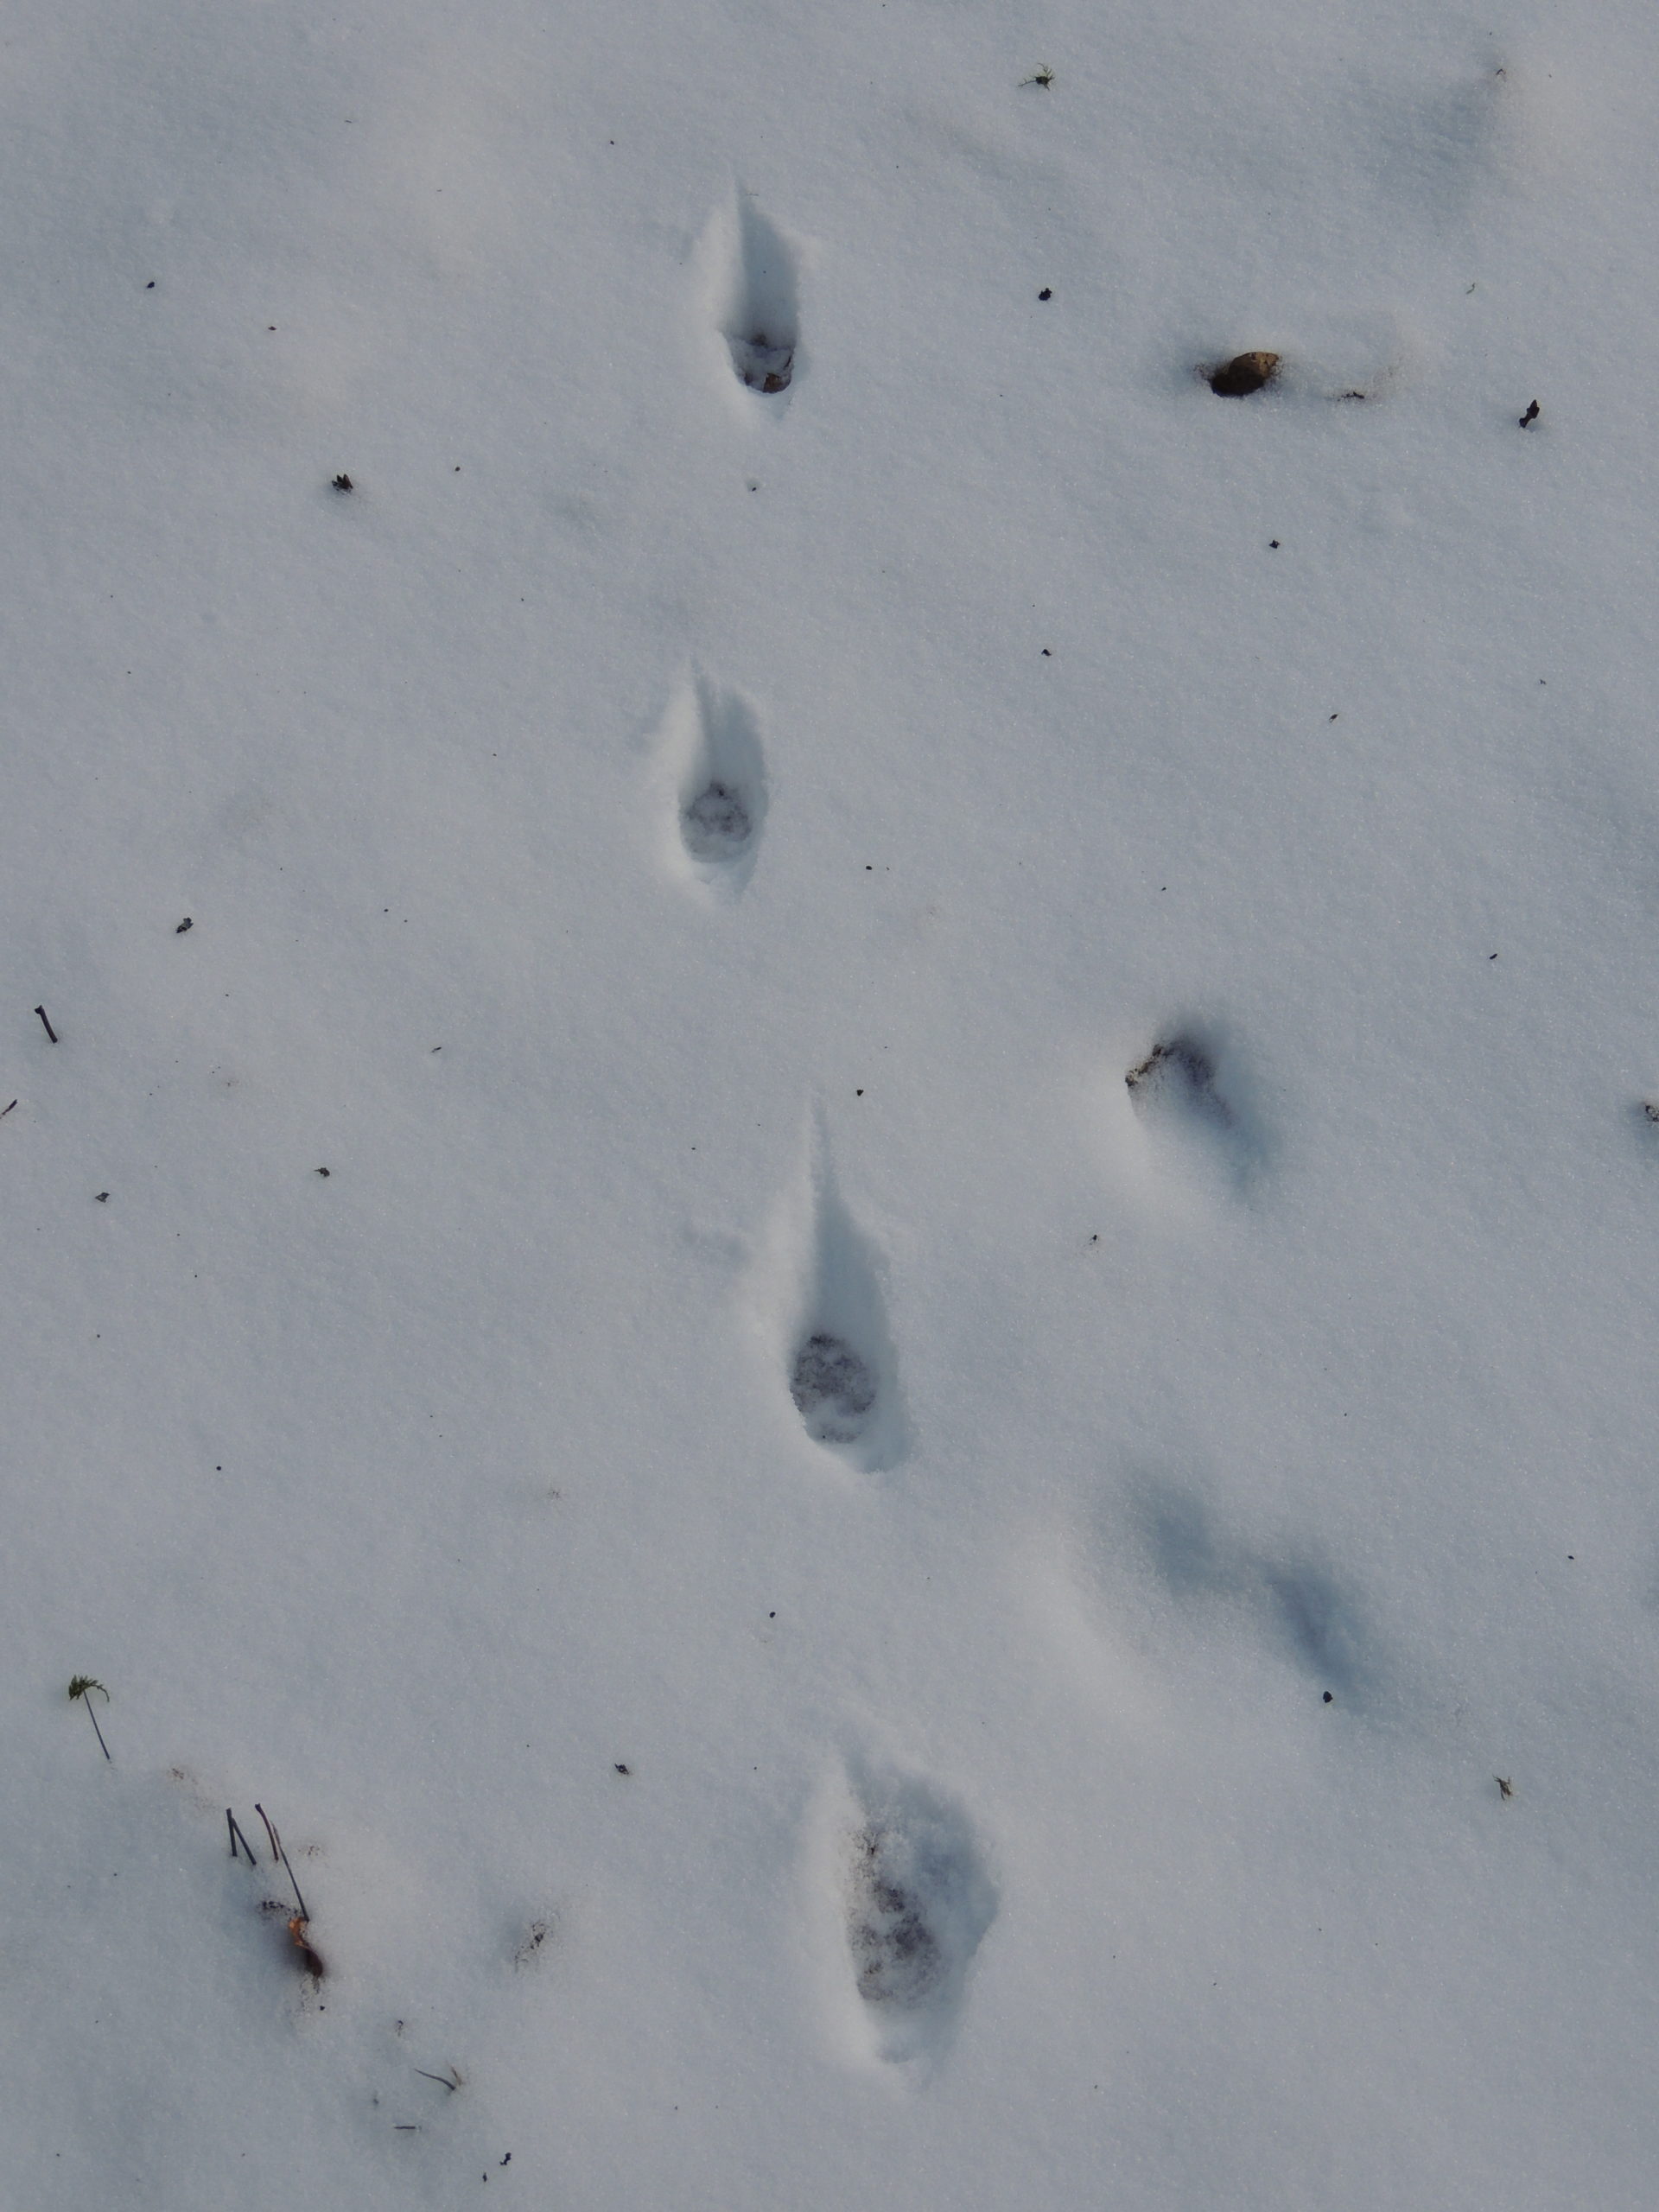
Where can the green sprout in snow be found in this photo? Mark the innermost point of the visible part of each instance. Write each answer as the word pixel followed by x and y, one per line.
pixel 82 1685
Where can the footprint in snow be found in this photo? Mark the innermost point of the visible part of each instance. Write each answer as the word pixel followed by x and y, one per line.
pixel 843 1373
pixel 834 1389
pixel 714 775
pixel 1178 1077
pixel 817 1299
pixel 1186 1100
pixel 916 1903
pixel 1288 1599
pixel 756 300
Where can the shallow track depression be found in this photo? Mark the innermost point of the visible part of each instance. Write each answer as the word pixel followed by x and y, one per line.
pixel 828 1106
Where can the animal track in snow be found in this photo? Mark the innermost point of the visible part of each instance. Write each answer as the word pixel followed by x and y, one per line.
pixel 716 824
pixel 1178 1076
pixel 715 779
pixel 835 1391
pixel 1298 1604
pixel 1184 1100
pixel 842 1373
pixel 756 304
pixel 1440 146
pixel 821 1282
pixel 916 1903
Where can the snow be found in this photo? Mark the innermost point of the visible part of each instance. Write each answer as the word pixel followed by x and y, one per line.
pixel 834 1602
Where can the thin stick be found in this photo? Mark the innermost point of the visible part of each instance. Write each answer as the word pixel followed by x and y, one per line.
pixel 50 1030
pixel 277 1848
pixel 236 1835
pixel 82 1685
pixel 305 1911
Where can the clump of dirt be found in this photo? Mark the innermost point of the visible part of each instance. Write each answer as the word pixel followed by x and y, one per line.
pixel 1177 1056
pixel 1243 374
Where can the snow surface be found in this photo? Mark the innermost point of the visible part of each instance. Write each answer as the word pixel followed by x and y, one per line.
pixel 697 864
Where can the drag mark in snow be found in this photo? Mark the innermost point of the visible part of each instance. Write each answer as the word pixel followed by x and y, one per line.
pixel 917 1903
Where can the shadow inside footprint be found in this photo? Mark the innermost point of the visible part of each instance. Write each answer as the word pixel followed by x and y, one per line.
pixel 1296 1603
pixel 1314 1619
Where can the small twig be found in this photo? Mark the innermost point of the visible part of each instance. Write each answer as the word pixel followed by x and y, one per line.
pixel 277 1852
pixel 4 1110
pixel 305 1911
pixel 1531 416
pixel 82 1685
pixel 50 1030
pixel 237 1836
pixel 444 2080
